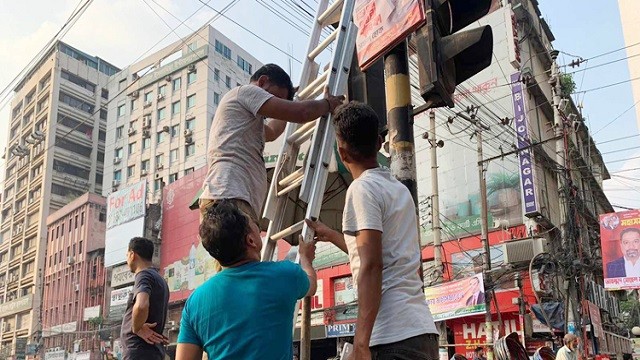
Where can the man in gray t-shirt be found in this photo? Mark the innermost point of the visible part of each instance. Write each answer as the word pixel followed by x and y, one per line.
pixel 239 131
pixel 144 319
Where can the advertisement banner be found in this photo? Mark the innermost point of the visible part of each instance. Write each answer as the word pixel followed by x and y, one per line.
pixel 121 275
pixel 456 299
pixel 341 330
pixel 15 306
pixel 125 219
pixel 383 24
pixel 525 157
pixel 119 300
pixel 344 291
pixel 620 241
pixel 472 332
pixel 184 261
pixel 91 313
pixel 596 320
pixel 55 355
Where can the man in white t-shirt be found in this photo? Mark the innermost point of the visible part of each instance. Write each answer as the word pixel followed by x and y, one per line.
pixel 238 133
pixel 380 234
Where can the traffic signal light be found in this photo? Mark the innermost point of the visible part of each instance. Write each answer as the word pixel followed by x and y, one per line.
pixel 447 57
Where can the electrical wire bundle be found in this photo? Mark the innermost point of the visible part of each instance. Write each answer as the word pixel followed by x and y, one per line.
pixel 510 348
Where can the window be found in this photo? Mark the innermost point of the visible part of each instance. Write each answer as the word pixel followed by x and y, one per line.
pixel 193 46
pixel 118 153
pixel 78 81
pixel 122 84
pixel 173 155
pixel 159 137
pixel 216 98
pixel 70 100
pixel 161 114
pixel 173 177
pixel 134 104
pixel 120 110
pixel 175 108
pixel 216 74
pixel 146 143
pixel 103 114
pixel 244 64
pixel 162 90
pixel 105 94
pixel 102 136
pixel 159 159
pixel 133 124
pixel 119 132
pixel 190 124
pixel 132 148
pixel 27 268
pixel 157 184
pixel 191 77
pixel 223 49
pixel 148 96
pixel 191 101
pixel 117 175
pixel 176 84
pixel 175 130
pixel 188 171
pixel 144 165
pixel 190 150
pixel 227 81
pixel 131 170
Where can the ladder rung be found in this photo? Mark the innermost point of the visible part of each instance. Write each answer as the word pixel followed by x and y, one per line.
pixel 288 231
pixel 314 84
pixel 315 92
pixel 289 178
pixel 329 14
pixel 294 184
pixel 302 132
pixel 323 45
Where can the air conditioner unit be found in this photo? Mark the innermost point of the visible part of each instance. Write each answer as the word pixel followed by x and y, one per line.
pixel 168 78
pixel 147 104
pixel 159 167
pixel 188 133
pixel 31 200
pixel 135 76
pixel 135 94
pixel 160 96
pixel 70 260
pixel 116 160
pixel 131 131
pixel 159 176
pixel 188 140
pixel 77 286
pixel 519 251
pixel 146 133
pixel 146 123
pixel 115 183
pixel 191 68
pixel 166 128
pixel 143 172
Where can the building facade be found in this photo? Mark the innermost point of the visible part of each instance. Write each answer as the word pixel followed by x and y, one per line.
pixel 163 107
pixel 631 30
pixel 74 276
pixel 55 153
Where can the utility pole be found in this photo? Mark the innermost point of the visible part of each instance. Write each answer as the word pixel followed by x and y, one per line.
pixel 435 226
pixel 561 160
pixel 400 123
pixel 305 329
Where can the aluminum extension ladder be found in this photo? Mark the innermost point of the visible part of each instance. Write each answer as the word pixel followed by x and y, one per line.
pixel 312 177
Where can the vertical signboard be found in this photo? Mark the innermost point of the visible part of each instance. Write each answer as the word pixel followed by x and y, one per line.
pixel 620 242
pixel 125 219
pixel 521 123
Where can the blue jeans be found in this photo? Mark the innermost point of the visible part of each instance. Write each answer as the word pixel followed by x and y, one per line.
pixel 421 347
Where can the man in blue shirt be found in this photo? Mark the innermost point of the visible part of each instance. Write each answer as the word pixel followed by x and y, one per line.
pixel 246 310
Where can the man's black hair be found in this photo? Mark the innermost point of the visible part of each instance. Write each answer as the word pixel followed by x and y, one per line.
pixel 629 230
pixel 143 247
pixel 356 125
pixel 223 232
pixel 277 76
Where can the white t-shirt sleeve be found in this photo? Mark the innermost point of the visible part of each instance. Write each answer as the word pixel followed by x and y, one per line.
pixel 252 97
pixel 363 210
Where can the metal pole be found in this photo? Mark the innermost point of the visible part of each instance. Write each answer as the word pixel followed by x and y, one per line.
pixel 400 122
pixel 559 131
pixel 305 330
pixel 436 229
pixel 486 254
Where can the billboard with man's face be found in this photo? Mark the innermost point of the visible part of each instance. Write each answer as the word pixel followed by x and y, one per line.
pixel 620 238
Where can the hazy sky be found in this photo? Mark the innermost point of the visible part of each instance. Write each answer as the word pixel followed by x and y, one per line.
pixel 121 31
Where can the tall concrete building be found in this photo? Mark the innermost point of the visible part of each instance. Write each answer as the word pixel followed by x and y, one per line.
pixel 163 105
pixel 74 277
pixel 629 10
pixel 55 153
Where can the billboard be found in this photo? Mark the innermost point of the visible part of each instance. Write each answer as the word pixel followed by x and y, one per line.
pixel 383 24
pixel 118 302
pixel 184 262
pixel 620 241
pixel 470 332
pixel 125 219
pixel 456 299
pixel 121 275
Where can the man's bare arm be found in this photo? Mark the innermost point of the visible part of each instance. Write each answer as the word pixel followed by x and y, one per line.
pixel 326 234
pixel 307 254
pixel 273 129
pixel 188 352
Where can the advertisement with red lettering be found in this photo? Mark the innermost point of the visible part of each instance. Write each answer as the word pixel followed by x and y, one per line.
pixel 125 219
pixel 620 240
pixel 184 263
pixel 471 331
